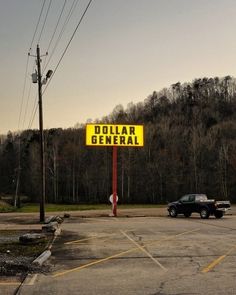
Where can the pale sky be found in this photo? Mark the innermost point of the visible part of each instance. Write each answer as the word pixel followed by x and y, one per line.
pixel 121 53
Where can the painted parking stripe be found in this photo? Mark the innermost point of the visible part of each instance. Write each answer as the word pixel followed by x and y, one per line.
pixel 145 251
pixel 31 280
pixel 91 238
pixel 121 253
pixel 87 239
pixel 10 283
pixel 80 240
pixel 217 261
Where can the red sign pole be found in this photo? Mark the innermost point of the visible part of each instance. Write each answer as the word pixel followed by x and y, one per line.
pixel 114 180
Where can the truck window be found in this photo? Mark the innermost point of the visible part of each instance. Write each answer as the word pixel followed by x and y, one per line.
pixel 191 198
pixel 185 199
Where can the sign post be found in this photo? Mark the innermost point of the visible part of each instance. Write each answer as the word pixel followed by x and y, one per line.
pixel 114 180
pixel 114 136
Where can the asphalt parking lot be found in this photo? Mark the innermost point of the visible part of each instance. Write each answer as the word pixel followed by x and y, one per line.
pixel 140 255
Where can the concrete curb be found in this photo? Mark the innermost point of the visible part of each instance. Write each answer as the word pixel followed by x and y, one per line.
pixel 41 259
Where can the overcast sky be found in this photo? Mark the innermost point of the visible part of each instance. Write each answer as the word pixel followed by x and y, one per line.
pixel 122 52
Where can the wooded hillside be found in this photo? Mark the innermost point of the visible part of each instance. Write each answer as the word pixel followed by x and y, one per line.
pixel 190 147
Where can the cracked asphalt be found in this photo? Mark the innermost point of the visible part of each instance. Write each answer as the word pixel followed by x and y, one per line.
pixel 134 253
pixel 140 255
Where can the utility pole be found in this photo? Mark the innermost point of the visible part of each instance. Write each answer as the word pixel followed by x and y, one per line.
pixel 42 156
pixel 37 78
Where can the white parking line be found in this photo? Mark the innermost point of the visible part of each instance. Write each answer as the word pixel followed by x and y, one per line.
pixel 169 238
pixel 81 240
pixel 144 250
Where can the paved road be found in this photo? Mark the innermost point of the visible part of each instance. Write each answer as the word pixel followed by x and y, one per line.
pixel 141 255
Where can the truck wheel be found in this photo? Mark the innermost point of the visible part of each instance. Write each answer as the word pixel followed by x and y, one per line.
pixel 204 213
pixel 187 214
pixel 173 212
pixel 218 214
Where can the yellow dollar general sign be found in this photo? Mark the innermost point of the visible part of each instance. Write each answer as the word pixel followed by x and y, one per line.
pixel 114 135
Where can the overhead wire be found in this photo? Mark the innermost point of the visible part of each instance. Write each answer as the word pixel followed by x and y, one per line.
pixel 35 107
pixel 54 32
pixel 68 44
pixel 27 66
pixel 27 101
pixel 34 111
pixel 18 169
pixel 45 19
pixel 70 13
pixel 23 93
pixel 27 104
pixel 36 28
pixel 75 2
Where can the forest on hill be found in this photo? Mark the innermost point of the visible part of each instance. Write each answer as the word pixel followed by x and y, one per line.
pixel 190 147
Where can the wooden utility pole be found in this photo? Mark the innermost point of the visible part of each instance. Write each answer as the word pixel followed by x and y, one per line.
pixel 42 158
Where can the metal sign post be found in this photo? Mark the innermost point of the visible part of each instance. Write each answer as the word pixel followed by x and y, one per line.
pixel 114 181
pixel 114 135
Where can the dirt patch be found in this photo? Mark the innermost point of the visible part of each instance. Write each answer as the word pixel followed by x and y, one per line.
pixel 15 258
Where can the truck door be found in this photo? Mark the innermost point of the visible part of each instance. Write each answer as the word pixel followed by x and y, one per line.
pixel 192 204
pixel 185 204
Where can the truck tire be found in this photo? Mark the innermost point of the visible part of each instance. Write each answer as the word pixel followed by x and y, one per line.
pixel 219 214
pixel 204 213
pixel 173 212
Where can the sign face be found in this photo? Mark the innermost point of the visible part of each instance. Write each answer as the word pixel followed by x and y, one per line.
pixel 111 199
pixel 114 135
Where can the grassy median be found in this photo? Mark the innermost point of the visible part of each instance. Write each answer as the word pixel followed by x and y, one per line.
pixel 29 207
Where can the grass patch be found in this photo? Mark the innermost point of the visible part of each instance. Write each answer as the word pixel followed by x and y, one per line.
pixel 137 206
pixel 5 207
pixel 27 208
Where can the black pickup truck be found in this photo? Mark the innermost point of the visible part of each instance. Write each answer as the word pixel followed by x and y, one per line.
pixel 198 203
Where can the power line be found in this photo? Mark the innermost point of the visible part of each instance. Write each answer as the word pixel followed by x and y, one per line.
pixel 27 104
pixel 67 46
pixel 37 24
pixel 72 9
pixel 45 19
pixel 54 32
pixel 23 94
pixel 16 198
pixel 63 54
pixel 22 102
pixel 27 65
pixel 33 114
pixel 59 18
pixel 27 101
